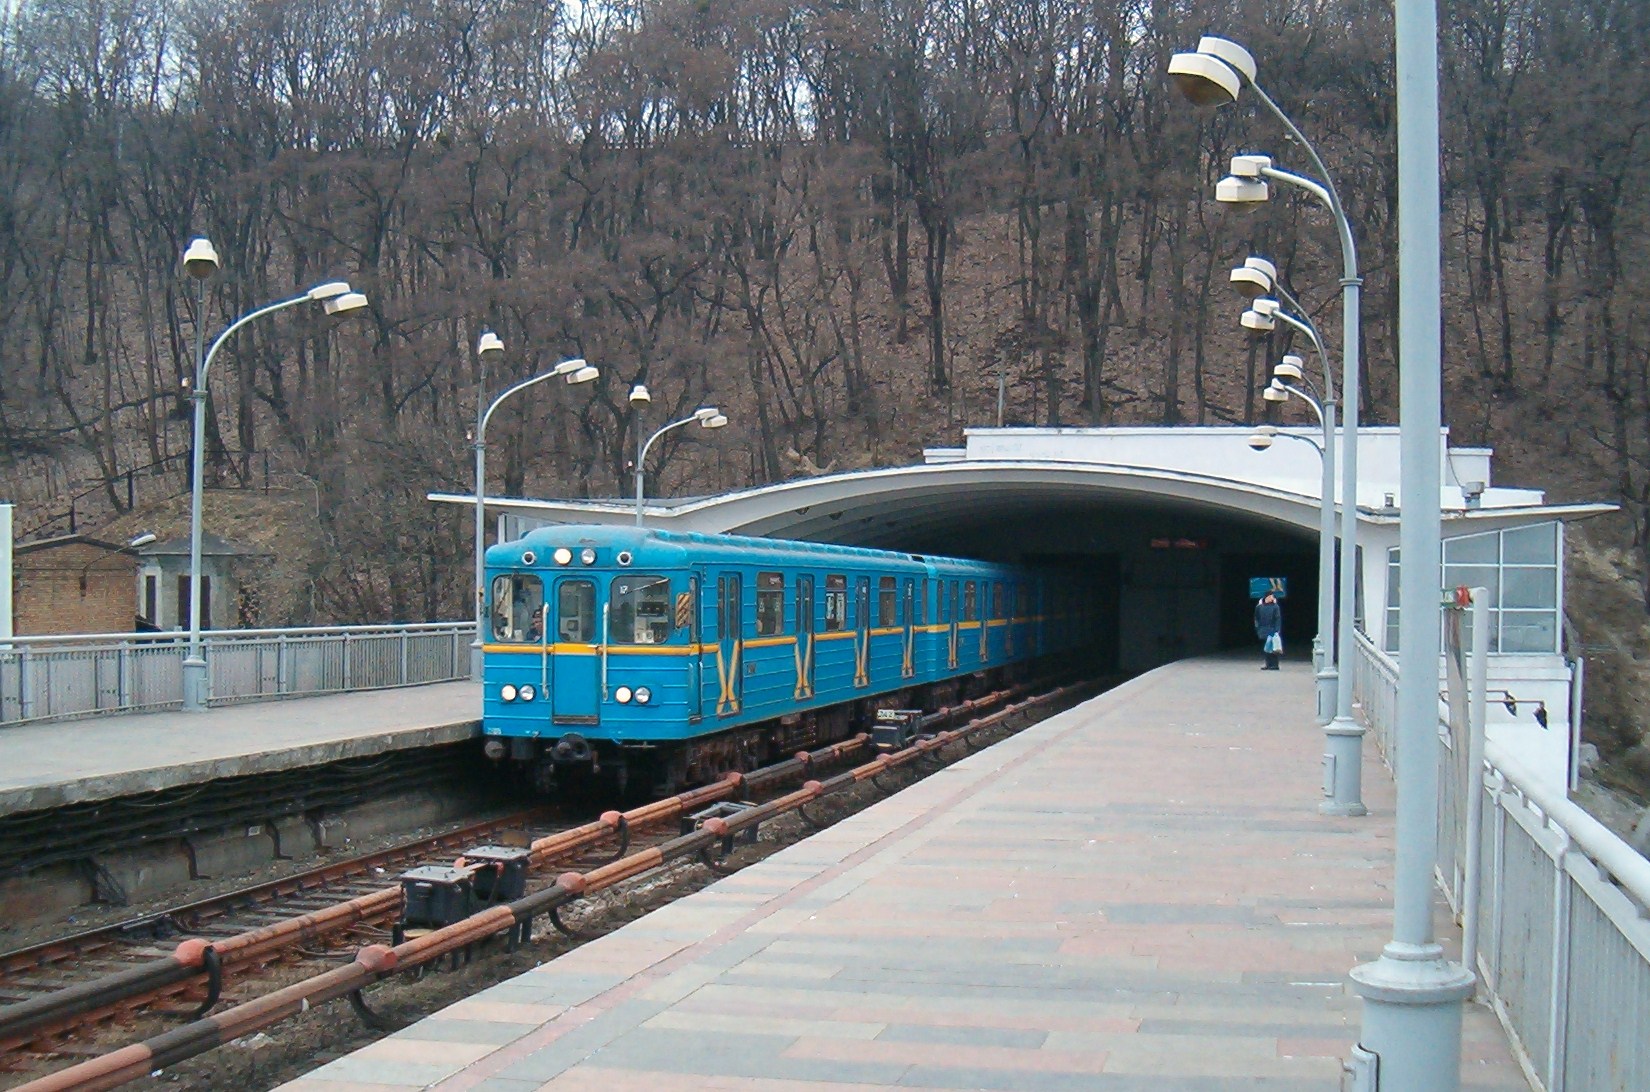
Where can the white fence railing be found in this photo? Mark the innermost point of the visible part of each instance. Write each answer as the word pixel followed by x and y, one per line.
pixel 1564 949
pixel 51 678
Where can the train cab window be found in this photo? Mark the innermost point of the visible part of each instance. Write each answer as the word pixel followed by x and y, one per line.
pixel 970 604
pixel 836 603
pixel 887 597
pixel 639 610
pixel 770 603
pixel 518 608
pixel 576 612
pixel 996 601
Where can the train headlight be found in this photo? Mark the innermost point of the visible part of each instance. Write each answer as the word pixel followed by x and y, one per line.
pixel 587 555
pixel 528 692
pixel 622 695
pixel 643 695
pixel 563 555
pixel 507 692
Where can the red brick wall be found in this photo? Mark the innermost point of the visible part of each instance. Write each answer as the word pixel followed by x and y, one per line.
pixel 74 588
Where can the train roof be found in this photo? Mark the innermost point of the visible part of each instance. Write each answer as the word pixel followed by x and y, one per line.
pixel 658 547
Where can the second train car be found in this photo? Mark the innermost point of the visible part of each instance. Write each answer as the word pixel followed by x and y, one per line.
pixel 659 659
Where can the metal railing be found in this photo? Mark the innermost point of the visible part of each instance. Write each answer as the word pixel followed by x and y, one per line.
pixel 53 678
pixel 1564 950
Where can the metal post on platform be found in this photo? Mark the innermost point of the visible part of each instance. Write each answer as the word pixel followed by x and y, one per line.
pixel 5 575
pixel 1411 1037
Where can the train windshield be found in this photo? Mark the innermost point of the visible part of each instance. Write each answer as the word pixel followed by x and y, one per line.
pixel 518 608
pixel 640 611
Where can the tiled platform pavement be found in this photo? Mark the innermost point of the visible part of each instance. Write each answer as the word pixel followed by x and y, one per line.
pixel 1136 894
pixel 66 762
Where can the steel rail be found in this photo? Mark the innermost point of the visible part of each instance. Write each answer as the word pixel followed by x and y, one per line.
pixel 377 961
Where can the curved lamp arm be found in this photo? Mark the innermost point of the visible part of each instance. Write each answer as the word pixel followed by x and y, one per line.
pixel 523 385
pixel 1317 406
pixel 206 365
pixel 642 458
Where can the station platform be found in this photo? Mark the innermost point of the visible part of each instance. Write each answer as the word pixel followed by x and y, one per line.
pixel 1138 893
pixel 66 762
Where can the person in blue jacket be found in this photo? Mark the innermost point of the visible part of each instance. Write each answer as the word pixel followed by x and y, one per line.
pixel 1269 628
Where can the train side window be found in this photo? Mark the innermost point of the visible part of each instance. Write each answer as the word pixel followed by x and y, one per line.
pixel 970 607
pixel 770 603
pixel 997 600
pixel 518 608
pixel 836 603
pixel 887 599
pixel 1022 600
pixel 640 610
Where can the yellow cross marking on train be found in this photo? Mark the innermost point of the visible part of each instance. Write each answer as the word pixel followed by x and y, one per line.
pixel 727 679
pixel 908 669
pixel 951 649
pixel 862 658
pixel 803 651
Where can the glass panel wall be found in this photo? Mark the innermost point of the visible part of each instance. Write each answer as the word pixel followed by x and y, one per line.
pixel 1520 569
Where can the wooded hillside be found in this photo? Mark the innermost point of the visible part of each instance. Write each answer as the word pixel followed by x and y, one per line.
pixel 839 220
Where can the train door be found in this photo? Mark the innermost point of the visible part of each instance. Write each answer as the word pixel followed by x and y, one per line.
pixel 908 666
pixel 951 616
pixel 804 637
pixel 729 643
pixel 862 631
pixel 687 618
pixel 572 667
pixel 984 612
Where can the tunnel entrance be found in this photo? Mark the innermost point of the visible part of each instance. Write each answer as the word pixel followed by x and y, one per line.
pixel 1300 607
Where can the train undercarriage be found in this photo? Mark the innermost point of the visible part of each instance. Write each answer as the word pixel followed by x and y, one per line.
pixel 574 764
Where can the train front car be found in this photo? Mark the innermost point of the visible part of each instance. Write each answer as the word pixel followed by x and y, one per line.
pixel 590 641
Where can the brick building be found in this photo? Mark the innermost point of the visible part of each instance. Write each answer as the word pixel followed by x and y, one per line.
pixel 73 584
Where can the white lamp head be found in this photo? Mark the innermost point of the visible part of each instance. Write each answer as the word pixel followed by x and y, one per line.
pixel 343 305
pixel 331 290
pixel 719 421
pixel 200 259
pixel 1255 321
pixel 1260 441
pixel 142 540
pixel 584 375
pixel 488 343
pixel 568 367
pixel 1267 306
pixel 1254 277
pixel 1214 74
pixel 1233 190
pixel 1275 392
pixel 1289 368
pixel 639 396
pixel 705 413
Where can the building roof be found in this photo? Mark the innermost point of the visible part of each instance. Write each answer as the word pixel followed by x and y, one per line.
pixel 211 546
pixel 69 540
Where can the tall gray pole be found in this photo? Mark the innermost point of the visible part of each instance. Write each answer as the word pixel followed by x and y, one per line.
pixel 194 664
pixel 1343 736
pixel 641 453
pixel 1325 676
pixel 1412 994
pixel 481 522
pixel 5 574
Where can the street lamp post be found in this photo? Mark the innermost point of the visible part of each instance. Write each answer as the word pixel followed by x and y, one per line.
pixel 707 416
pixel 1279 390
pixel 1213 75
pixel 200 261
pixel 1264 314
pixel 1412 994
pixel 576 371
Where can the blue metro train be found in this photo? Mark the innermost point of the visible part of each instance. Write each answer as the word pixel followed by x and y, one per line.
pixel 661 659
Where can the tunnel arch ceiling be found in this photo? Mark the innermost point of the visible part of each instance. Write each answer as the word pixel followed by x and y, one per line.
pixel 1010 510
pixel 999 510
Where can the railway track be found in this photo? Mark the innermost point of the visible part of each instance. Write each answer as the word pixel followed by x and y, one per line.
pixel 256 938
